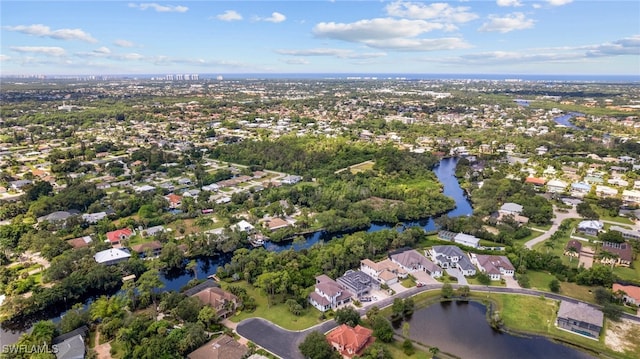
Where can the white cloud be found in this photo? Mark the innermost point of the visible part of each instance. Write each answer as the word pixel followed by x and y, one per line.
pixel 229 15
pixel 559 2
pixel 45 31
pixel 102 50
pixel 380 28
pixel 275 17
pixel 295 61
pixel 505 3
pixel 340 53
pixel 400 44
pixel 626 46
pixel 124 43
pixel 4 57
pixel 436 11
pixel 510 22
pixel 45 50
pixel 159 8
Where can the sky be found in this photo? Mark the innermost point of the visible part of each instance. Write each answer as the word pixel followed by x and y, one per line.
pixel 320 36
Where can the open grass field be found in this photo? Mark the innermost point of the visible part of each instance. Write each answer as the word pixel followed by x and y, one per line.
pixel 629 273
pixel 539 280
pixel 277 313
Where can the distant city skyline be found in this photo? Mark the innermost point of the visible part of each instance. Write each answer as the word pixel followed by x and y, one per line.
pixel 573 37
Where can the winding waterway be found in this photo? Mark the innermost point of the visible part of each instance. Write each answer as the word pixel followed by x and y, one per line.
pixel 461 329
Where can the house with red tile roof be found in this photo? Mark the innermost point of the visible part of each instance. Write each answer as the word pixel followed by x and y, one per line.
pixel 119 235
pixel 175 201
pixel 631 293
pixel 535 181
pixel 350 341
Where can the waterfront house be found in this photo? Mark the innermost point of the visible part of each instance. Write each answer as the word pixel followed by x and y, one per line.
pixel 328 294
pixel 511 208
pixel 71 345
pixel 385 271
pixel 631 293
pixel 222 347
pixel 452 257
pixel 494 266
pixel 349 341
pixel 358 282
pixel 80 242
pixel 153 249
pixel 591 228
pixel 411 261
pixel 112 256
pixel 244 226
pixel 223 302
pixel 580 318
pixel 466 240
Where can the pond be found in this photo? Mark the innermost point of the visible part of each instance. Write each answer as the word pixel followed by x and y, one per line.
pixel 461 328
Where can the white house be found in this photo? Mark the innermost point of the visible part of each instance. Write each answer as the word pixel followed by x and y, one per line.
pixel 466 240
pixel 556 186
pixel 291 179
pixel 411 261
pixel 511 208
pixel 494 266
pixel 452 257
pixel 385 271
pixel 328 294
pixel 631 196
pixel 112 256
pixel 244 226
pixel 606 191
pixel 590 227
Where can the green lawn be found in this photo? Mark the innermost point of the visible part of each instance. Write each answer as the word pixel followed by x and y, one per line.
pixel 534 234
pixel 580 292
pixel 539 280
pixel 495 283
pixel 629 273
pixel 621 220
pixel 408 282
pixel 277 313
pixel 539 318
pixel 542 227
pixel 396 351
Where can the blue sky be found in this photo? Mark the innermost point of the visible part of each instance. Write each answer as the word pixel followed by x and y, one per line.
pixel 480 37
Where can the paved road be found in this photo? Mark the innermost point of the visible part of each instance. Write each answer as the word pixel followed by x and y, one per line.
pixel 284 343
pixel 559 217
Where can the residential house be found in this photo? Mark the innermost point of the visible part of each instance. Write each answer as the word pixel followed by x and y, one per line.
pixel 349 341
pixel 71 345
pixel 622 252
pixel 580 189
pixel 617 181
pixel 385 271
pixel 631 293
pixel 119 235
pixel 606 191
pixel 58 217
pixel 577 247
pixel 328 294
pixel 112 256
pixel 467 240
pixel 276 223
pixel 211 188
pixel 626 233
pixel 143 189
pixel 223 302
pixel 535 181
pixel 93 218
pixel 636 184
pixel 357 282
pixel 494 266
pixel 556 186
pixel 411 261
pixel 631 196
pixel 510 218
pixel 222 347
pixel 511 208
pixel 244 226
pixel 153 249
pixel 452 257
pixel 184 181
pixel 152 231
pixel 19 184
pixel 591 228
pixel 291 179
pixel 80 242
pixel 175 201
pixel 580 318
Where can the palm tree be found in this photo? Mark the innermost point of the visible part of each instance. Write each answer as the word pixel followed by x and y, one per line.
pixel 572 250
pixel 549 245
pixel 434 351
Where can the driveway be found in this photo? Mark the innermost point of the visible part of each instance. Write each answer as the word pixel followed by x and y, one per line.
pixel 458 274
pixel 511 282
pixel 557 220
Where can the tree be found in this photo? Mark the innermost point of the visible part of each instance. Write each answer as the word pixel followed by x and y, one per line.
pixel 315 346
pixel 446 291
pixel 193 267
pixel 382 329
pixel 376 351
pixel 407 347
pixel 408 307
pixel 464 291
pixel 602 295
pixel 397 310
pixel 523 281
pixel 171 256
pixel 348 316
pixel 554 286
pixel 612 311
pixel 147 284
pixel 483 278
pixel 434 351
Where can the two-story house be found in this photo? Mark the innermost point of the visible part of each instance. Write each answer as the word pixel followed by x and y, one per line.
pixel 328 294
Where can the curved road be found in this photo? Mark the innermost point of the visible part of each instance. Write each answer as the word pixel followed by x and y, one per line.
pixel 284 343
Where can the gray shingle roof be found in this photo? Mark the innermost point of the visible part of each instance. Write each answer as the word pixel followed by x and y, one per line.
pixel 581 312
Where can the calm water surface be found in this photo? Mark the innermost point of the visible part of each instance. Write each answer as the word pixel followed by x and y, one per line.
pixel 461 329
